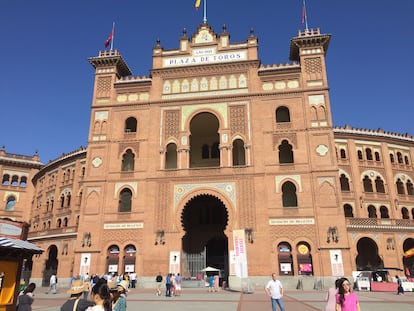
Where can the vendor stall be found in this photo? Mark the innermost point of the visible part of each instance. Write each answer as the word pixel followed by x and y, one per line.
pixel 13 252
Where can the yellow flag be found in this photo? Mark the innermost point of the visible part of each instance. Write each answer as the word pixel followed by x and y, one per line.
pixel 197 4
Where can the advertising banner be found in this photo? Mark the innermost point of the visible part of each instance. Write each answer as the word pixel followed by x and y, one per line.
pixel 240 256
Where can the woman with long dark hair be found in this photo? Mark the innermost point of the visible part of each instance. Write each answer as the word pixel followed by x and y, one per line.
pixel 346 300
pixel 100 296
pixel 25 300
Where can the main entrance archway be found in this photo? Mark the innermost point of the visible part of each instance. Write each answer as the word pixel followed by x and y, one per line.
pixel 204 220
pixel 368 257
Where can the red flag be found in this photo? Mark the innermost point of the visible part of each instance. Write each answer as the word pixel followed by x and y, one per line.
pixel 303 13
pixel 110 37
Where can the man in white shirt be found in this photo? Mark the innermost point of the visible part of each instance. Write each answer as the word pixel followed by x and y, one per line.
pixel 274 290
pixel 52 283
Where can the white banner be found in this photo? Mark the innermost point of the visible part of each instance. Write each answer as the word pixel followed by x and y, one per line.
pixel 240 256
pixel 336 262
pixel 175 262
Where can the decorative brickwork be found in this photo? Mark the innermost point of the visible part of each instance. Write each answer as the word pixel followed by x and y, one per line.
pixel 277 139
pixel 103 86
pixel 238 119
pixel 162 213
pixel 247 207
pixel 172 124
pixel 122 236
pixel 124 146
pixel 313 65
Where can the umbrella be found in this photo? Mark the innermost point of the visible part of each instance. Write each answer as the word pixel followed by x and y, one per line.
pixel 210 269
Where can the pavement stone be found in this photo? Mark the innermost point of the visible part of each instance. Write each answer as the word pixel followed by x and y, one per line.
pixel 201 300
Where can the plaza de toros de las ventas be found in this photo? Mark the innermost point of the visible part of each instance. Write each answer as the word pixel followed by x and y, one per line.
pixel 215 159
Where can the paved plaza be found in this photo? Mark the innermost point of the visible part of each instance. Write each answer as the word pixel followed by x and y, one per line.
pixel 199 299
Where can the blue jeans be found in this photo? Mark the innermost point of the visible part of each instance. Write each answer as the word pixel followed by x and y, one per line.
pixel 279 302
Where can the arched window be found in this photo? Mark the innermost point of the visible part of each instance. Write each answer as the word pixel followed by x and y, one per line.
pixel 367 184
pixel 399 158
pixel 59 223
pixel 11 202
pixel 372 211
pixel 348 211
pixel 282 114
pixel 289 195
pixel 205 151
pixel 406 160
pixel 285 152
pixel 404 213
pixel 130 125
pixel 343 153
pixel 65 222
pixel 62 200
pixel 125 200
pixel 239 157
pixel 171 156
pixel 215 152
pixel 377 156
pixel 379 185
pixel 368 153
pixel 128 161
pixel 384 212
pixel 344 183
pixel 400 186
pixel 15 180
pixel 360 155
pixel 6 180
pixel 410 188
pixel 68 199
pixel 391 158
pixel 23 181
pixel 304 259
pixel 285 259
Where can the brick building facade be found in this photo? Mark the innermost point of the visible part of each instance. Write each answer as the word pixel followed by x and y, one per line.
pixel 211 144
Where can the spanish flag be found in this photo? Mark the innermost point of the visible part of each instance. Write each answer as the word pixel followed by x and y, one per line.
pixel 197 4
pixel 409 252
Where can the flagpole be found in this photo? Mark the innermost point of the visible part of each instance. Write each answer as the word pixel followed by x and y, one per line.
pixel 205 13
pixel 113 33
pixel 306 16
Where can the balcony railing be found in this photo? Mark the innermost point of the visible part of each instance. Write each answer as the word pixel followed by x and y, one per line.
pixel 379 224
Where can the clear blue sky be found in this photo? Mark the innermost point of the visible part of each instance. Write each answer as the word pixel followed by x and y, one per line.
pixel 46 82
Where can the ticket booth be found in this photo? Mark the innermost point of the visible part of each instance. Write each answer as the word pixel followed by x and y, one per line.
pixel 14 250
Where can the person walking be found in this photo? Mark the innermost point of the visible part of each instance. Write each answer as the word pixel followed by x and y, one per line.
pixel 346 300
pixel 210 283
pixel 400 289
pixel 158 283
pixel 178 280
pixel 331 297
pixel 168 285
pixel 26 299
pixel 274 290
pixel 52 284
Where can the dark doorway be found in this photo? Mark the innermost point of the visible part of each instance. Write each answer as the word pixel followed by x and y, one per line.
pixel 204 220
pixel 368 258
pixel 51 265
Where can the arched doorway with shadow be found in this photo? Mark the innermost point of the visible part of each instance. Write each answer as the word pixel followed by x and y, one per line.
pixel 204 220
